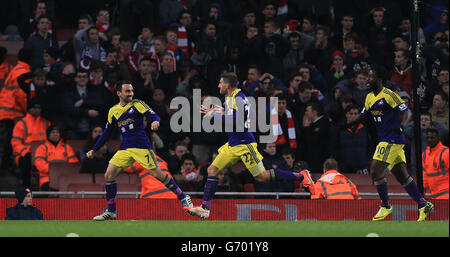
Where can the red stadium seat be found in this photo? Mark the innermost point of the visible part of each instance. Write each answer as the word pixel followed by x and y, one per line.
pixel 64 180
pixel 79 187
pixel 128 188
pixel 249 188
pixel 57 169
pixel 76 145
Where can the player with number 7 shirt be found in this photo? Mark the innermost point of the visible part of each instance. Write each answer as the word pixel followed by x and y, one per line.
pixel 128 116
pixel 390 114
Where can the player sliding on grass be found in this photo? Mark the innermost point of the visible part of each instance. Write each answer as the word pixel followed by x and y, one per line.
pixel 385 107
pixel 128 116
pixel 240 147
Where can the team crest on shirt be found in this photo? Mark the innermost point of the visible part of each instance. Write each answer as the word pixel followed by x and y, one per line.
pixel 130 111
pixel 381 102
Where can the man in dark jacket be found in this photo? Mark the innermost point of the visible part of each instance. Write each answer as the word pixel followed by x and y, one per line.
pixel 23 210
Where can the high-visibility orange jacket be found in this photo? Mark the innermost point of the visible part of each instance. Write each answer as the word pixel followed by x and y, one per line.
pixel 5 68
pixel 13 101
pixel 27 130
pixel 47 153
pixel 151 187
pixel 334 185
pixel 435 171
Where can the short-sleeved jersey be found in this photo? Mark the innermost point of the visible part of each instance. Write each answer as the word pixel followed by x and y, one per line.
pixel 385 109
pixel 237 100
pixel 129 119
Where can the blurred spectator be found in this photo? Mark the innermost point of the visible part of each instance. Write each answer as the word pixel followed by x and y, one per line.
pixel 189 178
pixel 309 26
pixel 168 77
pixel 274 48
pixel 426 122
pixel 168 12
pixel 314 137
pixel 88 47
pixel 128 59
pixel 13 104
pixel 185 31
pixel 350 142
pixel 285 131
pixel 94 132
pixel 265 85
pixel 334 185
pixel 82 106
pixel 401 42
pixel 213 40
pixel 143 81
pixel 315 79
pixel 253 74
pixel 174 161
pixel 320 53
pixel 297 104
pixel 53 149
pixel 439 110
pixel 41 40
pixel 401 73
pixel 24 209
pixel 172 45
pixel 29 129
pixel 358 87
pixel 439 15
pixel 435 166
pixel 346 27
pixel 273 160
pixel 338 70
pixel 30 25
pixel 103 23
pixel 296 53
pixel 99 163
pixel 145 41
pixel 441 80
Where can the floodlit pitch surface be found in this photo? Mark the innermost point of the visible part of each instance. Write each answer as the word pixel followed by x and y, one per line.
pixel 165 228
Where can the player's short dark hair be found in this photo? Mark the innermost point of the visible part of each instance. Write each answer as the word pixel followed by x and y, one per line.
pixel 230 78
pixel 119 85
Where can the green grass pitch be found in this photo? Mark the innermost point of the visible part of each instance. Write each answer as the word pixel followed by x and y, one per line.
pixel 165 228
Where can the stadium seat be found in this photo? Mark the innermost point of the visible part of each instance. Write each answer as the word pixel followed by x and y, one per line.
pixel 64 180
pixel 79 187
pixel 359 179
pixel 249 188
pixel 59 168
pixel 76 145
pixel 64 35
pixel 128 188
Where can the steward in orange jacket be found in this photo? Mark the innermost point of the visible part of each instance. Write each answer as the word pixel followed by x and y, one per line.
pixel 334 185
pixel 151 187
pixel 31 128
pixel 13 101
pixel 435 166
pixel 53 150
pixel 5 68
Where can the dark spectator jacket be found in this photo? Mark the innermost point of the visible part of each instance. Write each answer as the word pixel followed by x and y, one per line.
pixel 38 44
pixel 270 162
pixel 350 146
pixel 20 212
pixel 314 144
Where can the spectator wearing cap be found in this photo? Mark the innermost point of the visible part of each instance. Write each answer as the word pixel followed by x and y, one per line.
pixel 24 209
pixel 41 40
pixel 54 149
pixel 29 129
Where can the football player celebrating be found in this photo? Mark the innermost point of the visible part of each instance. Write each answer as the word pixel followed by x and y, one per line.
pixel 390 114
pixel 128 117
pixel 240 147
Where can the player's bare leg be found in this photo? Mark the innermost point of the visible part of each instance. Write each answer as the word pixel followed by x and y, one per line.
pixel 172 185
pixel 377 171
pixel 111 191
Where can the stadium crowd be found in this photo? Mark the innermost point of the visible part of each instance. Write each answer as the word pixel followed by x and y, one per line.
pixel 314 56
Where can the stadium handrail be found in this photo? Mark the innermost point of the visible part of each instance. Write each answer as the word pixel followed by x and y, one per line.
pixel 276 194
